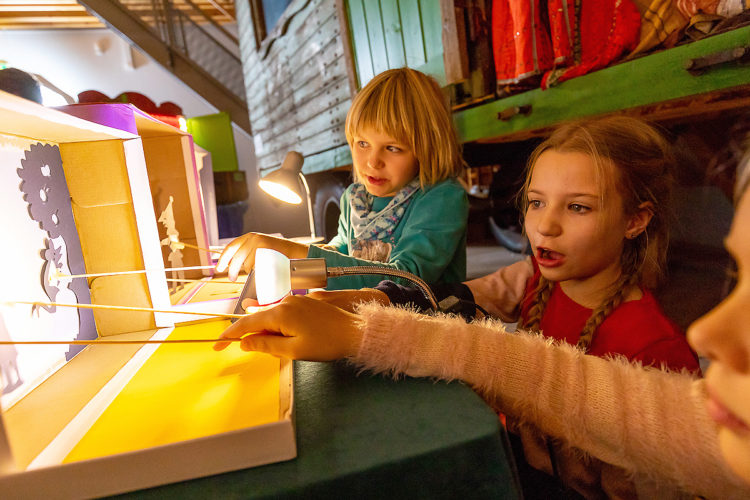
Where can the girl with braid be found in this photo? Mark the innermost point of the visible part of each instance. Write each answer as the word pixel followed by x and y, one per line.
pixel 595 207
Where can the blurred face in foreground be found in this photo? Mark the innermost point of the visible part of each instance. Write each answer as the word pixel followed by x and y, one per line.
pixel 723 336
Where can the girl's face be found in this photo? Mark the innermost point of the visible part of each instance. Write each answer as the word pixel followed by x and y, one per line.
pixel 383 164
pixel 723 336
pixel 576 231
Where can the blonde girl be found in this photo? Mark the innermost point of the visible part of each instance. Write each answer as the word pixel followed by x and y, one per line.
pixel 406 209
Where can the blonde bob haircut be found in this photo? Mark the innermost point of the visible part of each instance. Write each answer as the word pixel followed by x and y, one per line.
pixel 410 107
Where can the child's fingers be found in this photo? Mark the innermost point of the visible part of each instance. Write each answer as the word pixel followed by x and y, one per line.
pixel 248 303
pixel 261 321
pixel 243 257
pixel 228 253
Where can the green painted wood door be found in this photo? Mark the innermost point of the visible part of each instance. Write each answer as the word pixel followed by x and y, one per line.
pixel 389 34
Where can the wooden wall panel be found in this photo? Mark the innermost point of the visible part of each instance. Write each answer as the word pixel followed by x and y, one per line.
pixel 297 86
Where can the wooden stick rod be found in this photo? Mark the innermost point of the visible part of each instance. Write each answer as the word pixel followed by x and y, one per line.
pixel 198 248
pixel 189 280
pixel 137 271
pixel 94 342
pixel 126 308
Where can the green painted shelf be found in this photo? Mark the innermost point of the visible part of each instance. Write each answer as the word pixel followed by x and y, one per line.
pixel 655 78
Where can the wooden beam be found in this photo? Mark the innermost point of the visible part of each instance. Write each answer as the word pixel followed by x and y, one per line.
pixel 455 54
pixel 346 40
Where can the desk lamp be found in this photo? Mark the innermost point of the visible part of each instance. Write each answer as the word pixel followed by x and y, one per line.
pixel 283 184
pixel 276 275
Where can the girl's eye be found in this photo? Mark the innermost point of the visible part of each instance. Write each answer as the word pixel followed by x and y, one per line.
pixel 535 203
pixel 575 207
pixel 362 144
pixel 394 149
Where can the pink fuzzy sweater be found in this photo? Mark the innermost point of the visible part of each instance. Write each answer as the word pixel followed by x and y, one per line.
pixel 651 423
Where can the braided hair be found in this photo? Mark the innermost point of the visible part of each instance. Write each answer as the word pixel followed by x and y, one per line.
pixel 636 159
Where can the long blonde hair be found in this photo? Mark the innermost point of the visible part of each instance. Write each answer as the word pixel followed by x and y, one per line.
pixel 634 158
pixel 410 107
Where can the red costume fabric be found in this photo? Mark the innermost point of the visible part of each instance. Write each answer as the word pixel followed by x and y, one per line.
pixel 569 41
pixel 637 330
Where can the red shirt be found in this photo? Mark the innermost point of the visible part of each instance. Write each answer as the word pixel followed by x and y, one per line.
pixel 637 329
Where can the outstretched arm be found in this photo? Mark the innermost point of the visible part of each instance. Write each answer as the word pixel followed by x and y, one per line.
pixel 644 420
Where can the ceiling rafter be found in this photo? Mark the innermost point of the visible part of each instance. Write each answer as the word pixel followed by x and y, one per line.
pixel 69 14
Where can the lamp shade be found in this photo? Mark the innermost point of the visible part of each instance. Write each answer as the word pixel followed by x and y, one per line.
pixel 284 183
pixel 272 276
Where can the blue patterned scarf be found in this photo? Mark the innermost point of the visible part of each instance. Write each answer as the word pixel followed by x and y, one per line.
pixel 373 231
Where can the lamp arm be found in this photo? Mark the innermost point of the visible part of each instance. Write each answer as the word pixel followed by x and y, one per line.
pixel 309 206
pixel 424 288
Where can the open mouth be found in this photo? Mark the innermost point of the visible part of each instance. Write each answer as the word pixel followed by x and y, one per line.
pixel 548 258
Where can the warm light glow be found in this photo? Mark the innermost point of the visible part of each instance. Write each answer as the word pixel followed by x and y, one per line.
pixel 182 122
pixel 272 276
pixel 280 192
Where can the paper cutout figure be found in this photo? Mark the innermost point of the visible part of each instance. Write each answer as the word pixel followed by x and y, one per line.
pixel 46 192
pixel 173 241
pixel 10 377
pixel 52 266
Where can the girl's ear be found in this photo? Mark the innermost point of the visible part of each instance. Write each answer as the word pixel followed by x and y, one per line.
pixel 639 221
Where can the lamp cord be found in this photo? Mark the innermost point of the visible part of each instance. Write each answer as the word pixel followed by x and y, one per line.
pixel 387 271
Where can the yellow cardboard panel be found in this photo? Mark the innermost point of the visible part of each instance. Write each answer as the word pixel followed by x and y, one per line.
pixel 109 238
pixel 167 158
pixel 96 173
pixel 186 391
pixel 121 290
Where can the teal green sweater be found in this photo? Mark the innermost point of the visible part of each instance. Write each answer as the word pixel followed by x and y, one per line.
pixel 430 239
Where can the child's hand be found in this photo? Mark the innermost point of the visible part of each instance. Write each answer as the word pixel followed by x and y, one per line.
pixel 240 253
pixel 348 299
pixel 285 330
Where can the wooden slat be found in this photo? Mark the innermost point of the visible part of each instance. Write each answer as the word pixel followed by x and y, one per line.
pixel 374 23
pixel 455 54
pixel 394 38
pixel 360 42
pixel 411 22
pixel 346 41
pixel 432 28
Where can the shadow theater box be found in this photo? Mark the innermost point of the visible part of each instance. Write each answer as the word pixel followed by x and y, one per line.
pixel 104 418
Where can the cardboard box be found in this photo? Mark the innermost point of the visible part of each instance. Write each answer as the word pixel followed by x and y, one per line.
pixel 172 172
pixel 110 418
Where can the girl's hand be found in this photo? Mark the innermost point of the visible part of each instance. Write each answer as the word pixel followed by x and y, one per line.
pixel 348 299
pixel 298 327
pixel 240 253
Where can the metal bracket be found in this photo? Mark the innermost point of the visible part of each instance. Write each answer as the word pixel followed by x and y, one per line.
pixel 512 111
pixel 700 65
